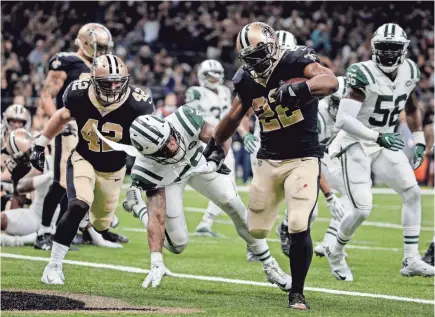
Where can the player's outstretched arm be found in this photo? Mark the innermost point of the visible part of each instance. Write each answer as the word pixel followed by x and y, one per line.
pixel 415 124
pixel 322 80
pixel 52 85
pixel 29 184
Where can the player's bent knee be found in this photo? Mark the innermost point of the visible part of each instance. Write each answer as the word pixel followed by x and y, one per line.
pixel 259 233
pixel 296 225
pixel 234 206
pixel 176 249
pixel 4 221
pixel 412 194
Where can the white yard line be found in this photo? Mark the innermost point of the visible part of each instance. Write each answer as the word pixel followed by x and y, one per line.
pixel 348 246
pixel 320 219
pixel 130 269
pixel 380 191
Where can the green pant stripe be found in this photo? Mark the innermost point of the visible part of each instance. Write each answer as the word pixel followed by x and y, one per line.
pixel 183 123
pixel 368 71
pixel 343 160
pixel 145 183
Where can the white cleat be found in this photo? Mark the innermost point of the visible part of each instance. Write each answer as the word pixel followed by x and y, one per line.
pixel 53 275
pixel 319 250
pixel 339 268
pixel 277 276
pixel 414 266
pixel 204 230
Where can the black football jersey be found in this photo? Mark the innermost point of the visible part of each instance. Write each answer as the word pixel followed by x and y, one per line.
pixel 286 133
pixel 112 121
pixel 75 68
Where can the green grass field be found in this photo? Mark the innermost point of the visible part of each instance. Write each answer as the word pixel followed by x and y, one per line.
pixel 375 259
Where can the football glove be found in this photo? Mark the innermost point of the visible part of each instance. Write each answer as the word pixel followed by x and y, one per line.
pixel 418 155
pixel 335 207
pixel 158 270
pixel 251 143
pixel 390 141
pixel 290 94
pixel 37 157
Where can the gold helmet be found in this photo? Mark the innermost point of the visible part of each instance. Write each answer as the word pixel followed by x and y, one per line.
pixel 18 145
pixel 94 40
pixel 16 116
pixel 109 77
pixel 258 48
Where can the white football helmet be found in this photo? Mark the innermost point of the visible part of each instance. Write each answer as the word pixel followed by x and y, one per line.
pixel 210 74
pixel 286 40
pixel 333 100
pixel 389 46
pixel 151 135
pixel 15 114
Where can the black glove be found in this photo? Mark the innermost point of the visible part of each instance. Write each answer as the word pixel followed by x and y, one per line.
pixel 69 130
pixel 290 94
pixel 211 146
pixel 224 169
pixel 37 157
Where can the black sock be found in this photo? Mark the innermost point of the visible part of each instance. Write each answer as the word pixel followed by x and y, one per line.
pixel 301 253
pixel 54 196
pixel 69 223
pixel 63 207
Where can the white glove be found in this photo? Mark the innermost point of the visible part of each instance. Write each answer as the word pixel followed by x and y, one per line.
pixel 206 168
pixel 158 270
pixel 98 240
pixel 335 207
pixel 133 198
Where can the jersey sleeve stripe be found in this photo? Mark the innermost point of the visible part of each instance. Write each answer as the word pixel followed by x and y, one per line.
pixel 189 117
pixel 140 169
pixel 145 183
pixel 370 74
pixel 183 123
pixel 411 68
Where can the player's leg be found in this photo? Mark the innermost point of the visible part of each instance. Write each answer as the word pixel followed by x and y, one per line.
pixel 19 227
pixel 220 189
pixel 429 255
pixel 301 187
pixel 81 178
pixel 394 169
pixel 356 175
pixel 204 227
pixel 57 190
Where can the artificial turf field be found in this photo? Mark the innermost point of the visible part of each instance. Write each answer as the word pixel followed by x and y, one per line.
pixel 213 275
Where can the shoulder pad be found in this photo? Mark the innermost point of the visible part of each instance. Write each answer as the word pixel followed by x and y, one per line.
pixel 61 61
pixel 414 70
pixel 238 76
pixel 193 93
pixel 191 120
pixel 359 76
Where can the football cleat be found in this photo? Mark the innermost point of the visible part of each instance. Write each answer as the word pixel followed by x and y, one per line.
pixel 284 236
pixel 339 268
pixel 277 276
pixel 413 266
pixel 204 230
pixel 250 256
pixel 43 242
pixel 297 301
pixel 114 237
pixel 319 250
pixel 429 255
pixel 53 275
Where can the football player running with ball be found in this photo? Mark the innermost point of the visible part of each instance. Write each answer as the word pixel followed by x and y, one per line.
pixel 94 171
pixel 288 165
pixel 170 157
pixel 378 90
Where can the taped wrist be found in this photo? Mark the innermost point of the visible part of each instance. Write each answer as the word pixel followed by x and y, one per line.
pixel 300 90
pixel 419 138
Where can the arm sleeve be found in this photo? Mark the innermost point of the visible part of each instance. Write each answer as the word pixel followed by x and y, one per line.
pixel 347 121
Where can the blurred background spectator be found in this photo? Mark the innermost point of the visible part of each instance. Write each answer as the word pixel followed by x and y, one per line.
pixel 162 43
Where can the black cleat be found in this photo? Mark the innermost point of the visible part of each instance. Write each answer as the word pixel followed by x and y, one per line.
pixel 429 256
pixel 284 236
pixel 114 237
pixel 297 301
pixel 43 242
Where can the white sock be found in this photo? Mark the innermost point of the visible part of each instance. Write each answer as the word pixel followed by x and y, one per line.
pixel 411 220
pixel 340 242
pixel 331 232
pixel 141 212
pixel 410 239
pixel 43 230
pixel 210 214
pixel 285 220
pixel 58 253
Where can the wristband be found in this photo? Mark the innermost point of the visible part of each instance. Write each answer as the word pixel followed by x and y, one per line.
pixel 419 138
pixel 156 257
pixel 42 141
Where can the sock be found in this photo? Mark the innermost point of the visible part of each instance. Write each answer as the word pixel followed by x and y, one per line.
pixel 331 232
pixel 141 211
pixel 411 220
pixel 210 214
pixel 410 239
pixel 301 253
pixel 285 220
pixel 341 242
pixel 261 251
pixel 53 198
pixel 44 229
pixel 58 253
pixel 28 239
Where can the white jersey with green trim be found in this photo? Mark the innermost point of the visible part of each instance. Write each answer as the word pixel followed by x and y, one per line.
pixel 150 174
pixel 384 99
pixel 211 105
pixel 326 123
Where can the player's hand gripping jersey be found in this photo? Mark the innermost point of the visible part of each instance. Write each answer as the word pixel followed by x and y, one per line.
pixel 286 132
